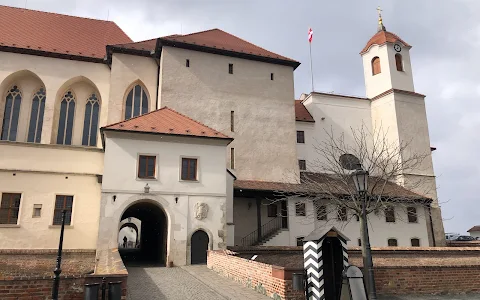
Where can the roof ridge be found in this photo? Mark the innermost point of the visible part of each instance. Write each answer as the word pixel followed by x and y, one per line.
pixel 134 42
pixel 202 31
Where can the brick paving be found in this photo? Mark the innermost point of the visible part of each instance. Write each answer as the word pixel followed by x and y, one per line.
pixel 190 282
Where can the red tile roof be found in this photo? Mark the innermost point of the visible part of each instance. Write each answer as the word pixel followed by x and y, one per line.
pixel 55 33
pixel 301 112
pixel 216 38
pixel 383 37
pixel 474 229
pixel 166 121
pixel 213 40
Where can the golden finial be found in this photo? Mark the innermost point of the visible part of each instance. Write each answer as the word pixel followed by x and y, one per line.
pixel 381 27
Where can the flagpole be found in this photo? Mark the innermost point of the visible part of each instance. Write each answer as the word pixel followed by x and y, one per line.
pixel 311 65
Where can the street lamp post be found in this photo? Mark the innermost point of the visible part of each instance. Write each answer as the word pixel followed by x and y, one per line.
pixel 360 178
pixel 58 270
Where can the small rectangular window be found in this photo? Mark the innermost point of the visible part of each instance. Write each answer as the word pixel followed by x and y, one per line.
pixel 300 241
pixel 9 208
pixel 63 202
pixel 230 68
pixel 232 158
pixel 187 63
pixel 189 169
pixel 392 243
pixel 146 166
pixel 322 213
pixel 232 121
pixel 390 215
pixel 342 213
pixel 272 210
pixel 359 242
pixel 300 137
pixel 412 215
pixel 415 242
pixel 300 209
pixel 271 76
pixel 302 165
pixel 37 211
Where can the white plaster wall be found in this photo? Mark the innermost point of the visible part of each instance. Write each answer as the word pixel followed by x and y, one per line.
pixel 264 110
pixel 475 234
pixel 127 71
pixel 125 148
pixel 245 216
pixel 56 75
pixel 380 231
pixel 281 239
pixel 42 188
pixel 340 115
pixel 50 158
pixel 306 151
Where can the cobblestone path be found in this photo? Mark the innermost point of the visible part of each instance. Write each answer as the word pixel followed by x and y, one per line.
pixel 190 282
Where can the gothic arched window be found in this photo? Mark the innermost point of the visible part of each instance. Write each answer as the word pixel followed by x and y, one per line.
pixel 65 122
pixel 11 114
pixel 136 103
pixel 376 69
pixel 36 117
pixel 399 62
pixel 90 123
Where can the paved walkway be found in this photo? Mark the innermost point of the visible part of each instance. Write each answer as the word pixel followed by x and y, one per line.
pixel 439 297
pixel 190 282
pixel 200 283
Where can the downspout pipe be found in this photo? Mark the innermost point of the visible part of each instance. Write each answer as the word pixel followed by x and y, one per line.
pixel 431 224
pixel 156 56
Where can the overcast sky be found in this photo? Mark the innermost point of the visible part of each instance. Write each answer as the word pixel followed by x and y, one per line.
pixel 445 35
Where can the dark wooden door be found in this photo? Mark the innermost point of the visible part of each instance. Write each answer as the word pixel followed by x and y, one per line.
pixel 332 267
pixel 199 247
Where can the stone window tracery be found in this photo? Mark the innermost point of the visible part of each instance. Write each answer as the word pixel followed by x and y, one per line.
pixel 13 101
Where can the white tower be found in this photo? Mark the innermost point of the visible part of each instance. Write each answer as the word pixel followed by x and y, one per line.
pixel 399 112
pixel 386 63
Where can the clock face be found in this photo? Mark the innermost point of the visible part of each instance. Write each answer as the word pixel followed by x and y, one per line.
pixel 397 47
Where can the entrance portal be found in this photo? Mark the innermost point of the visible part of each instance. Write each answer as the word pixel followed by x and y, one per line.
pixel 199 247
pixel 332 267
pixel 152 245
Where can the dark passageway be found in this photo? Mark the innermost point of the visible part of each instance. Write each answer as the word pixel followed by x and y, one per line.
pixel 152 247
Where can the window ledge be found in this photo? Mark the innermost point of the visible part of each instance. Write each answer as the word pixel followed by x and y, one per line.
pixel 186 180
pixel 60 226
pixel 9 226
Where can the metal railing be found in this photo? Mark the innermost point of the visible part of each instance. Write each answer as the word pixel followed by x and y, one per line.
pixel 266 230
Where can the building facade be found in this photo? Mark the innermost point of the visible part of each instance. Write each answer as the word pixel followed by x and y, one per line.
pixel 57 95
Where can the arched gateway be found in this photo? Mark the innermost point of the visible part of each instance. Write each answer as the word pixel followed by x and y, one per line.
pixel 153 240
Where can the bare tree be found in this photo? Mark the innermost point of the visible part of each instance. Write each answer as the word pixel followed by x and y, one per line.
pixel 330 187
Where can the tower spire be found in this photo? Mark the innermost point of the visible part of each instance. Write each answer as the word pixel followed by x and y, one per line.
pixel 381 27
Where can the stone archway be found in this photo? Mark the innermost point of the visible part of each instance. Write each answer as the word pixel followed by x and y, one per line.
pixel 133 227
pixel 153 240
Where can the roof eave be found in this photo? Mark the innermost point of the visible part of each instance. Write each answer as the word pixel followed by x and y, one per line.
pixel 229 139
pixel 290 63
pixel 43 53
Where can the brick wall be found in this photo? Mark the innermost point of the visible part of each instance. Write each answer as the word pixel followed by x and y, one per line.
pixel 269 280
pixel 28 274
pixel 41 289
pixel 397 270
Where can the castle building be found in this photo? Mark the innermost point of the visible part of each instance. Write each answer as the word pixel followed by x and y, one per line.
pixel 187 134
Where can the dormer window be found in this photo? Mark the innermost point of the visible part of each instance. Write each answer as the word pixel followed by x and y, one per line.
pixel 376 69
pixel 399 62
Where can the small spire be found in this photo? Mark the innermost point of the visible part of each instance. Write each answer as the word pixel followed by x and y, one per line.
pixel 381 27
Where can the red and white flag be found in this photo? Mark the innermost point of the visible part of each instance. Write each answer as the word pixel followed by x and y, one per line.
pixel 310 35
